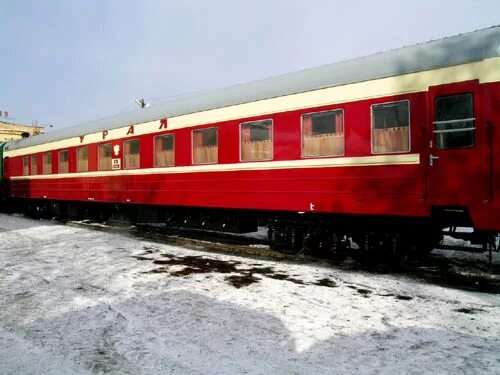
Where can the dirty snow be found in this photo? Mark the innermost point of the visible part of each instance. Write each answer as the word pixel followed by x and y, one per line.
pixel 79 301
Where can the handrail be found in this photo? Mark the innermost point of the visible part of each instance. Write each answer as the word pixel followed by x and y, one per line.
pixel 491 171
pixel 453 121
pixel 453 130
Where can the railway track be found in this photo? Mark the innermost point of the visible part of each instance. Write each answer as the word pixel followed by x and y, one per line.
pixel 456 270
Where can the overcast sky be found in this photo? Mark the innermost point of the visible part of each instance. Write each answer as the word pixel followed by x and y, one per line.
pixel 66 62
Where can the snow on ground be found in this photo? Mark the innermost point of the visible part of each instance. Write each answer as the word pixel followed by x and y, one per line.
pixel 79 301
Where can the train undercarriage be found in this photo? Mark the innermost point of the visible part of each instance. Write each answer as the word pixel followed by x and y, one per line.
pixel 321 235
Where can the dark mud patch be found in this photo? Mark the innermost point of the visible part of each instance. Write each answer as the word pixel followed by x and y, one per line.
pixel 158 270
pixel 147 252
pixel 204 265
pixel 260 270
pixel 141 257
pixel 471 310
pixel 399 297
pixel 278 276
pixel 364 292
pixel 403 298
pixel 239 281
pixel 296 281
pixel 199 264
pixel 242 277
pixel 149 249
pixel 186 271
pixel 285 277
pixel 326 282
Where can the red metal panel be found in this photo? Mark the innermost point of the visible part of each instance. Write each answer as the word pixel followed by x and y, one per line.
pixel 394 190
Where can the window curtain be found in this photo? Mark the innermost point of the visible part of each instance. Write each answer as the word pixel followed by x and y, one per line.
pixel 160 154
pixel 63 166
pixel 198 154
pixel 34 168
pixel 324 144
pixel 105 157
pixel 339 123
pixel 391 139
pixel 132 159
pixel 256 150
pixel 246 144
pixel 203 154
pixel 82 165
pixel 307 125
pixel 26 166
pixel 47 164
pixel 82 162
pixel 245 134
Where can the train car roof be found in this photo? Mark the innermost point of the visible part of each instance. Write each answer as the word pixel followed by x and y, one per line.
pixel 455 50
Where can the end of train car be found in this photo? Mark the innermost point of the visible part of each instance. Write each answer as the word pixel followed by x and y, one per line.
pixel 3 185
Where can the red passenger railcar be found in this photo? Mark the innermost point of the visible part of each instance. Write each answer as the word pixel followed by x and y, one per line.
pixel 386 149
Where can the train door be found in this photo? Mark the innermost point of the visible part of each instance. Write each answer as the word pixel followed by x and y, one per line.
pixel 455 170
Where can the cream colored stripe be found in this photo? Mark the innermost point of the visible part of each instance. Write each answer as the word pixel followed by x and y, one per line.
pixel 359 161
pixel 141 129
pixel 486 71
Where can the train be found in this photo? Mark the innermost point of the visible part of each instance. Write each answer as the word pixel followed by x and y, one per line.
pixel 383 151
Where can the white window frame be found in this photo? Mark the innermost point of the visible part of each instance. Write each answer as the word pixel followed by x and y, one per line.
pixel 43 163
pixel 99 156
pixel 78 159
pixel 302 133
pixel 272 139
pixel 192 145
pixel 35 169
pixel 124 143
pixel 372 128
pixel 59 161
pixel 154 149
pixel 26 171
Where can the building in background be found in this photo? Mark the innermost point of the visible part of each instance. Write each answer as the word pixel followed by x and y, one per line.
pixel 11 132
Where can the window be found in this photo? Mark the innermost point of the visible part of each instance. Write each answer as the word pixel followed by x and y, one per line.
pixel 82 159
pixel 256 140
pixel 454 121
pixel 164 150
pixel 104 155
pixel 391 127
pixel 26 166
pixel 34 169
pixel 47 163
pixel 323 134
pixel 205 150
pixel 131 154
pixel 63 162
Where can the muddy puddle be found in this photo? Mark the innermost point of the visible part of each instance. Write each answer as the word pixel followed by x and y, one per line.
pixel 240 275
pixel 469 310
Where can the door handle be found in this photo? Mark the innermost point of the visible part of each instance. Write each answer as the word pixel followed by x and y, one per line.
pixel 432 158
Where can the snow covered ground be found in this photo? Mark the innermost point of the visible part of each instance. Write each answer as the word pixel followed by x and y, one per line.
pixel 79 301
